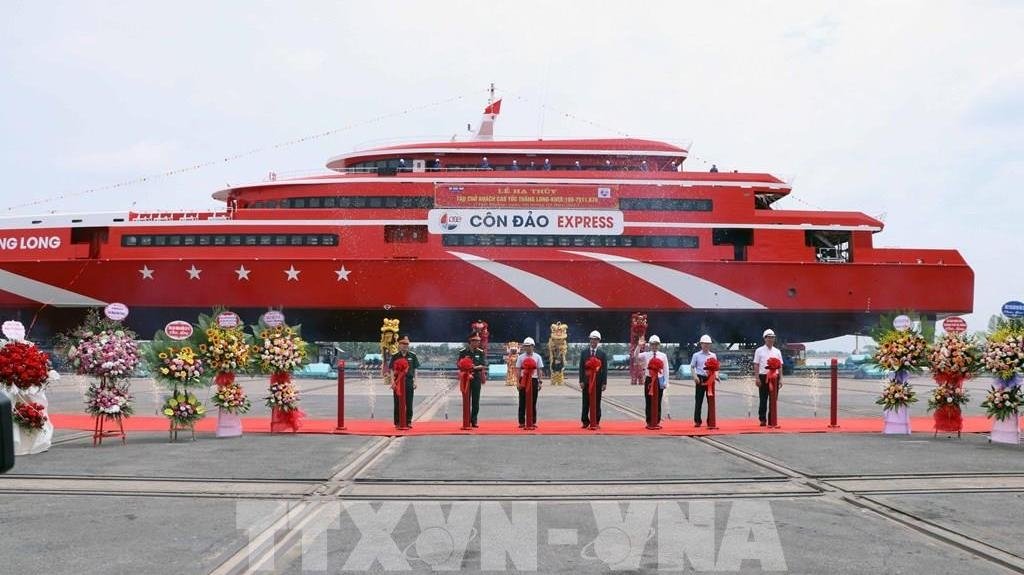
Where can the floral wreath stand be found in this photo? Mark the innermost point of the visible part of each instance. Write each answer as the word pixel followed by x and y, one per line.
pixel 99 430
pixel 175 427
pixel 1006 430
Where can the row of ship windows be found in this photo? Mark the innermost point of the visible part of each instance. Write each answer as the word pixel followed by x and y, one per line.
pixel 134 241
pixel 573 241
pixel 427 202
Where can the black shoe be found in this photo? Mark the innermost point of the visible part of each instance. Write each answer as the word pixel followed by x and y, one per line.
pixel 764 424
pixel 696 423
pixel 522 426
pixel 474 425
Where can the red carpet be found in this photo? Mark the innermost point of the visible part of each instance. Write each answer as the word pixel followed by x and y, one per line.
pixel 975 424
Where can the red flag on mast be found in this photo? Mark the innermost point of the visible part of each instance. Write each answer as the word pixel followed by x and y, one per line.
pixel 493 108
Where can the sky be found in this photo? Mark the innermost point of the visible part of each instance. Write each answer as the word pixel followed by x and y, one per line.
pixel 909 111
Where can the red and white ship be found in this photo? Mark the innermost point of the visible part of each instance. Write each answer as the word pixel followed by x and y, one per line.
pixel 517 233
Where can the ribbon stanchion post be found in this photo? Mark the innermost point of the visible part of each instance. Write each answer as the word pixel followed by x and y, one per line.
pixel 400 371
pixel 772 379
pixel 654 367
pixel 711 366
pixel 833 416
pixel 592 367
pixel 341 396
pixel 465 374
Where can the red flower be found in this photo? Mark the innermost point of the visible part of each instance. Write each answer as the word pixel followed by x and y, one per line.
pixel 23 365
pixel 466 364
pixel 774 363
pixel 712 364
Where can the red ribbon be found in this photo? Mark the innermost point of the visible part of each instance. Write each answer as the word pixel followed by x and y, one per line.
pixel 280 377
pixel 465 374
pixel 526 383
pixel 654 368
pixel 592 367
pixel 711 367
pixel 286 418
pixel 401 370
pixel 948 418
pixel 224 378
pixel 772 377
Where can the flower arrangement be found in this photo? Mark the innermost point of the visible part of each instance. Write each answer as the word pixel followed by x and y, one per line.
pixel 23 366
pixel 947 395
pixel 279 349
pixel 231 398
pixel 901 350
pixel 110 399
pixel 178 365
pixel 283 395
pixel 30 415
pixel 102 348
pixel 954 357
pixel 1004 351
pixel 896 395
pixel 1003 403
pixel 184 409
pixel 226 349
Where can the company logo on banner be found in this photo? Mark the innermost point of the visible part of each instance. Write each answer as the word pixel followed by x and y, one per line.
pixel 529 222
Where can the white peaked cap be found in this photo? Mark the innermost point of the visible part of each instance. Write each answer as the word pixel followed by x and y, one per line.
pixel 705 339
pixel 528 341
pixel 767 333
pixel 596 334
pixel 654 339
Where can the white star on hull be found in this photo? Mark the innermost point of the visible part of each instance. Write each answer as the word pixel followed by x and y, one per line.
pixel 193 272
pixel 292 273
pixel 147 274
pixel 243 274
pixel 342 273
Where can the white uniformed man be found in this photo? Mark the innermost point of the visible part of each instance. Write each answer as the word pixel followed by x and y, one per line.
pixel 761 356
pixel 700 377
pixel 528 345
pixel 659 386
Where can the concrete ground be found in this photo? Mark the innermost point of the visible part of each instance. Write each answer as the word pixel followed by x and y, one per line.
pixel 811 503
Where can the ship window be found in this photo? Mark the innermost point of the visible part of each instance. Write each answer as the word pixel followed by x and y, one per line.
pixel 280 240
pixel 266 240
pixel 329 202
pixel 146 240
pixel 532 241
pixel 312 240
pixel 250 240
pixel 188 240
pixel 515 240
pixel 204 240
pixel 295 240
pixel 174 240
pixel 298 202
pixel 501 240
pixel 358 202
pixel 313 202
pixel 160 241
pixel 829 246
pixel 547 241
pixel 564 241
pixel 484 240
pixel 235 240
pixel 259 204
pixel 738 238
pixel 129 240
pixel 344 201
pixel 286 203
pixel 594 241
pixel 666 204
pixel 329 240
pixel 627 241
pixel 272 204
pixel 220 240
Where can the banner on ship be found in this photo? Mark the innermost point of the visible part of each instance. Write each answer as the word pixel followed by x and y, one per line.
pixel 526 196
pixel 530 222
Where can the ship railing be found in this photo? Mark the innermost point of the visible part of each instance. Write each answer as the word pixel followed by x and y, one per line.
pixel 179 216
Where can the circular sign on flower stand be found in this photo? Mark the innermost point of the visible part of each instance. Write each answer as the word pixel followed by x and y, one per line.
pixel 178 330
pixel 273 318
pixel 954 325
pixel 228 319
pixel 116 311
pixel 902 323
pixel 1013 309
pixel 14 330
